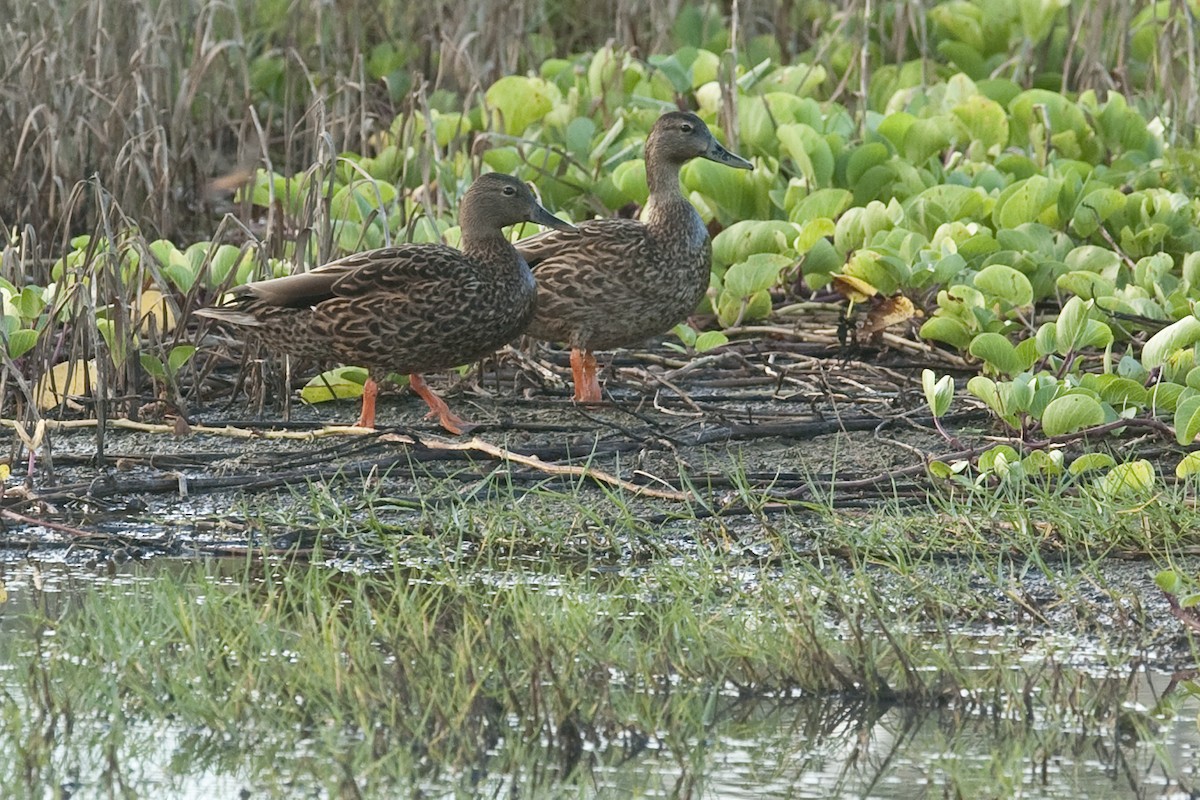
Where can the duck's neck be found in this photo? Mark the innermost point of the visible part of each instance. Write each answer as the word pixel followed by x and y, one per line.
pixel 667 203
pixel 487 245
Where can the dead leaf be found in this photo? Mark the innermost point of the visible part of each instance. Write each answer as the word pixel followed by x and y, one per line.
pixel 887 313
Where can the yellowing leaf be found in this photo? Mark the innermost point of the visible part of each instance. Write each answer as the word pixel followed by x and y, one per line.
pixel 68 379
pixel 153 311
pixel 852 288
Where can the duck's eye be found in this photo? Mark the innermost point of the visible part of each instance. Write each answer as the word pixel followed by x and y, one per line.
pixel 686 127
pixel 510 191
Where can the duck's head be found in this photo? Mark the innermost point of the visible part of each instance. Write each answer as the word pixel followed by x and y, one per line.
pixel 496 200
pixel 680 136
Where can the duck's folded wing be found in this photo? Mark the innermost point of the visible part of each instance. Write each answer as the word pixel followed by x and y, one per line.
pixel 599 240
pixel 396 269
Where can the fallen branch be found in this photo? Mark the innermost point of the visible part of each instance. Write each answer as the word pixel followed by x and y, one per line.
pixel 477 445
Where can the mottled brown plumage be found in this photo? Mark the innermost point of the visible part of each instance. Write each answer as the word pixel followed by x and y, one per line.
pixel 616 282
pixel 408 309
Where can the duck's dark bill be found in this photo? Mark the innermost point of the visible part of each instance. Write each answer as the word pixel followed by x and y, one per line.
pixel 719 154
pixel 544 217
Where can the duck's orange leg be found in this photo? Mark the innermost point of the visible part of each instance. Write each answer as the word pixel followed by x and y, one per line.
pixel 366 418
pixel 583 374
pixel 438 408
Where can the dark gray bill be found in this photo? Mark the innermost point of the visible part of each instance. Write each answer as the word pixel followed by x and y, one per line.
pixel 719 154
pixel 544 217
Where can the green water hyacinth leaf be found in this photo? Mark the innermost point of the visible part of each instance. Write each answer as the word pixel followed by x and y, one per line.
pixel 1090 258
pixel 984 120
pixel 710 340
pixel 759 117
pixel 1187 420
pixel 173 264
pixel 1153 272
pixel 1004 282
pixel 1191 269
pixel 521 100
pixel 1075 330
pixel 755 274
pixel 926 138
pixel 1135 478
pixel 227 259
pixel 1024 201
pixel 883 272
pixel 1042 462
pixel 808 150
pixel 894 127
pixel 998 460
pixel 733 194
pixel 1030 108
pixel 1071 324
pixel 629 178
pixel 1090 462
pixel 962 21
pixel 1088 285
pixel 946 330
pixel 821 204
pixel 820 262
pixel 999 354
pixel 863 158
pixel 1188 466
pixel 179 356
pixel 1095 209
pixel 362 199
pixel 1037 17
pixel 1071 413
pixel 1183 333
pixel 814 232
pixel 744 238
pixel 21 342
pixel 335 384
pixel 153 367
pixel 1120 393
pixel 990 393
pixel 938 391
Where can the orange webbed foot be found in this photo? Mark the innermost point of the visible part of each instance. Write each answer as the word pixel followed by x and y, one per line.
pixel 583 374
pixel 438 409
pixel 366 418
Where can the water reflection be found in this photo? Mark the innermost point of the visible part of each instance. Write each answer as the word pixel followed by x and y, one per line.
pixel 754 747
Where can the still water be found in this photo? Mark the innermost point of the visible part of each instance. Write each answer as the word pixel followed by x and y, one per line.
pixel 765 747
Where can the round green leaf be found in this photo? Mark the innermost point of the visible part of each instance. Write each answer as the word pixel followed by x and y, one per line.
pixel 1188 466
pixel 947 330
pixel 521 101
pixel 1071 413
pixel 1187 420
pixel 1176 336
pixel 21 342
pixel 1004 282
pixel 1132 478
pixel 998 353
pixel 1089 462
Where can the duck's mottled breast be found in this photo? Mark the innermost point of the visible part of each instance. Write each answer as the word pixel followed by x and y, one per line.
pixel 617 282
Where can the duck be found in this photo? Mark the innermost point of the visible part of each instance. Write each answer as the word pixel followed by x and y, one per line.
pixel 615 282
pixel 409 309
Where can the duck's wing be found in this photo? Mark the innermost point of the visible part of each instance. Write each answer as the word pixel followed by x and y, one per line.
pixel 397 270
pixel 599 242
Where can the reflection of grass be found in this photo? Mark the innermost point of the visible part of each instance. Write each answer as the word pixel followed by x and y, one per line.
pixel 489 635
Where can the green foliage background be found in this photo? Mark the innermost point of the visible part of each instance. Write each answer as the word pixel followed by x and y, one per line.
pixel 989 162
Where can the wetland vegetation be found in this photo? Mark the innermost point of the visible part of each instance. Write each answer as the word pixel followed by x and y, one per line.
pixel 907 509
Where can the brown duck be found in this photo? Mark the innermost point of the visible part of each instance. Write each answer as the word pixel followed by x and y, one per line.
pixel 616 282
pixel 410 309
